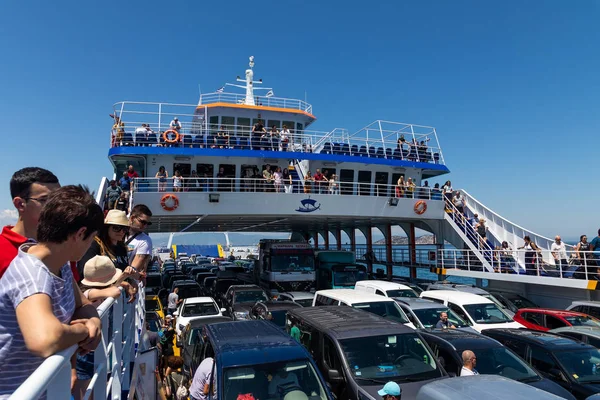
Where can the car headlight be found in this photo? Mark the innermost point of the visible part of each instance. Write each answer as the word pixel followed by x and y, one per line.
pixel 241 315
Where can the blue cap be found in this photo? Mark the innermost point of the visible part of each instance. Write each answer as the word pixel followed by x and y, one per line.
pixel 391 389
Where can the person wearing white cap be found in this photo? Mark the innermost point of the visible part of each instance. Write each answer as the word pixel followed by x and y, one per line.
pixel 100 281
pixel 390 391
pixel 175 124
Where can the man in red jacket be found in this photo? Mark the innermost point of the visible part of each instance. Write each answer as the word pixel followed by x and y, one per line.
pixel 29 189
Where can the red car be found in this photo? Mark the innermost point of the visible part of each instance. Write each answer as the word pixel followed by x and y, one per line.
pixel 545 319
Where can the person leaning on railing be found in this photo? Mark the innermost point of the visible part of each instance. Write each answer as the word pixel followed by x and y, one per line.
pixel 42 311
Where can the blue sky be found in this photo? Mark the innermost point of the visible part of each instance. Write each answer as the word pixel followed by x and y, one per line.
pixel 512 87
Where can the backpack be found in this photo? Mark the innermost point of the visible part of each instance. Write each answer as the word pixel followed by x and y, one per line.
pixel 162 337
pixel 182 392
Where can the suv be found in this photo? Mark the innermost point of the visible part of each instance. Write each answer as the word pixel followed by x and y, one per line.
pixel 545 319
pixel 385 288
pixel 492 358
pixel 469 289
pixel 273 311
pixel 359 352
pixel 480 312
pixel 568 362
pixel 239 299
pixel 514 302
pixel 305 299
pixel 257 358
pixel 587 307
pixel 190 343
pixel 425 313
pixel 194 308
pixel 586 334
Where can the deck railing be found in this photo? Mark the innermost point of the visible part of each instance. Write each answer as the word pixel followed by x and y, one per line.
pixel 259 184
pixel 576 265
pixel 259 101
pixel 121 324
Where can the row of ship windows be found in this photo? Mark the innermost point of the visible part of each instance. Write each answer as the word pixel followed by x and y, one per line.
pixel 244 125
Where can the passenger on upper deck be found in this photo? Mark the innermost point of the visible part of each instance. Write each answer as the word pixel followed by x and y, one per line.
pixel 223 138
pixel 177 182
pixel 320 181
pixel 437 192
pixel 285 138
pixel 118 130
pixel 175 124
pixel 274 138
pixel 308 182
pixel 258 130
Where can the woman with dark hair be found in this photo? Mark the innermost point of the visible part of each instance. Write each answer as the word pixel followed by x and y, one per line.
pixel 162 176
pixel 531 256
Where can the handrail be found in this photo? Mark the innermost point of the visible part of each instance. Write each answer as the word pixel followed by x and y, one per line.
pixel 112 358
pixel 101 193
pixel 259 184
pixel 260 101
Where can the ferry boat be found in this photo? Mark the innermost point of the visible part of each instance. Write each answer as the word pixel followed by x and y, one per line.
pixel 221 157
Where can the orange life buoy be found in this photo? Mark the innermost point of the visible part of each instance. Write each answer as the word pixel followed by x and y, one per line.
pixel 420 207
pixel 166 137
pixel 169 198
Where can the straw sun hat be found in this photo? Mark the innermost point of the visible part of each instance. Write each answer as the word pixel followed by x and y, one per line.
pixel 100 271
pixel 116 217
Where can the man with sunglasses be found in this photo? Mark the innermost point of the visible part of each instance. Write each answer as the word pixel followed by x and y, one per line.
pixel 139 244
pixel 29 190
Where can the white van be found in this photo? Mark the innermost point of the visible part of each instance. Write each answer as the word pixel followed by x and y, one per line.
pixel 376 304
pixel 385 288
pixel 479 311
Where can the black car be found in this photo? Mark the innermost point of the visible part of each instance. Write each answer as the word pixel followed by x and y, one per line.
pixel 273 311
pixel 492 358
pixel 239 299
pixel 513 301
pixel 187 289
pixel 572 364
pixel 175 278
pixel 191 342
pixel 154 321
pixel 153 282
pixel 221 287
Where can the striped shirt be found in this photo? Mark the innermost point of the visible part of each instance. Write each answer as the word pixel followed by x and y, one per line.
pixel 26 276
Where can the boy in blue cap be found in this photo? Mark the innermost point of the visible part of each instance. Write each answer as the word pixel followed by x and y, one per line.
pixel 391 391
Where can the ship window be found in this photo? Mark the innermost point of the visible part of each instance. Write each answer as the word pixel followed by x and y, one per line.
pixel 226 185
pixel 328 172
pixel 381 179
pixel 347 181
pixel 243 127
pixel 364 183
pixel 184 169
pixel 229 123
pixel 207 169
pixel 395 178
pixel 213 124
pixel 274 122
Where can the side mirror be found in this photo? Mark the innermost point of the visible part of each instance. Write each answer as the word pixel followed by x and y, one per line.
pixel 334 376
pixel 176 313
pixel 556 374
pixel 223 310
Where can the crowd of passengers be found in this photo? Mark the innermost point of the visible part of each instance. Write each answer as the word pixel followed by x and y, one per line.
pixel 584 253
pixel 64 256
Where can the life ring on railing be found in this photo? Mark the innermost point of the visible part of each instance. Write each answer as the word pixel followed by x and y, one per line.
pixel 166 136
pixel 169 202
pixel 420 207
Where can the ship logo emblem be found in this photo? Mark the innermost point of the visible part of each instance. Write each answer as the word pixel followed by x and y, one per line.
pixel 308 205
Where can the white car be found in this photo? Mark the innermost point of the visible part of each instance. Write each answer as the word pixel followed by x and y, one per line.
pixel 195 308
pixel 482 313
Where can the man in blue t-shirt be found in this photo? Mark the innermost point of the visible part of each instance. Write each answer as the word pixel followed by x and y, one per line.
pixel 125 183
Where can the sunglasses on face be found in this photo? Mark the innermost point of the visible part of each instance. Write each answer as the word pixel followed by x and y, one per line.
pixel 145 222
pixel 119 228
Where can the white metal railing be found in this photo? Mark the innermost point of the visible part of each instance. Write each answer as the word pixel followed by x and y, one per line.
pixel 259 184
pixel 259 101
pixel 112 359
pixel 101 193
pixel 575 265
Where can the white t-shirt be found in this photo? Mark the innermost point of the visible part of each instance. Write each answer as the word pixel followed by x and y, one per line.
pixel 172 301
pixel 202 376
pixel 560 249
pixel 141 244
pixel 467 372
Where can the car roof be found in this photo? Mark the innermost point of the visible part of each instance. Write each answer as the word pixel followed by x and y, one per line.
pixel 200 322
pixel 252 342
pixel 353 296
pixel 185 282
pixel 384 285
pixel 585 303
pixel 347 322
pixel 245 287
pixel 416 303
pixel 562 313
pixel 300 295
pixel 456 296
pixel 490 387
pixel 457 287
pixel 197 300
pixel 463 340
pixel 280 305
pixel 584 330
pixel 548 340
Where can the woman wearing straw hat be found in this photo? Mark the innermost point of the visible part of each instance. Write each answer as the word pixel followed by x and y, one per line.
pixel 100 281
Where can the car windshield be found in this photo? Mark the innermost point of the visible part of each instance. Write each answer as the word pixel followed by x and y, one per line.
pixel 194 335
pixel 199 309
pixel 277 317
pixel 429 317
pixel 582 365
pixel 152 305
pixel 305 302
pixel 293 262
pixel 386 309
pixel 348 278
pixel 522 302
pixel 390 357
pixel 583 320
pixel 486 313
pixel 250 296
pixel 501 361
pixel 298 379
pixel 492 298
pixel 401 293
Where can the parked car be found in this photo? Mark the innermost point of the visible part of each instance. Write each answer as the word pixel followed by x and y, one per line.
pixel 190 342
pixel 480 312
pixel 568 362
pixel 469 289
pixel 425 314
pixel 239 299
pixel 492 358
pixel 514 302
pixel 585 334
pixel 544 319
pixel 274 311
pixel 481 387
pixel 305 299
pixel 153 283
pixel 187 288
pixel 154 321
pixel 359 352
pixel 153 303
pixel 587 307
pixel 194 308
pixel 257 357
pixel 385 288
